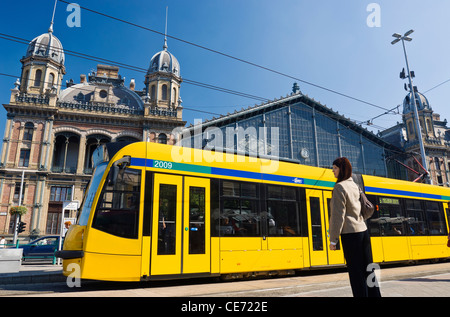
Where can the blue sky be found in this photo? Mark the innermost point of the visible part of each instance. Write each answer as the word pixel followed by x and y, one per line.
pixel 328 43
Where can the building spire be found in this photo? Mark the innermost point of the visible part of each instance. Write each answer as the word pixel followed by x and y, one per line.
pixel 50 29
pixel 165 32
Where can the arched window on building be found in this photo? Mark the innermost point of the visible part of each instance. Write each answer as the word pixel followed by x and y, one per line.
pixel 92 143
pixel 51 80
pixel 411 128
pixel 37 78
pixel 164 92
pixel 162 138
pixel 429 126
pixel 174 95
pixel 28 131
pixel 25 79
pixel 65 157
pixel 153 92
pixel 437 164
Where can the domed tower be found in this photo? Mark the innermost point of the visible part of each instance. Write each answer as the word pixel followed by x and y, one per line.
pixel 425 115
pixel 163 79
pixel 43 65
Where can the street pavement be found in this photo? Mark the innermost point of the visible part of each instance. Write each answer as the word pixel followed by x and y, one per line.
pixel 424 280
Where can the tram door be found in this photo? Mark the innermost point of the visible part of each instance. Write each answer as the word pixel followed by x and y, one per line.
pixel 318 221
pixel 337 256
pixel 317 241
pixel 180 242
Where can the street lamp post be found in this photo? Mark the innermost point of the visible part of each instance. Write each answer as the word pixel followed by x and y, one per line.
pixel 404 38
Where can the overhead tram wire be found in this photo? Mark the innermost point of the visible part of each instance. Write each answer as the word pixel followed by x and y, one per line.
pixel 438 85
pixel 231 57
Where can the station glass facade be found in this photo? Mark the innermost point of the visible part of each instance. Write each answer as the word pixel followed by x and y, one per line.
pixel 308 133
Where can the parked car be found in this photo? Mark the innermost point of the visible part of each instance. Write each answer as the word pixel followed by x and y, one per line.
pixel 40 248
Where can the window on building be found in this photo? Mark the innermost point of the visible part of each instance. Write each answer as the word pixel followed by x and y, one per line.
pixel 51 80
pixel 17 193
pixel 437 164
pixel 162 138
pixel 153 92
pixel 24 159
pixel 28 131
pixel 65 157
pixel 53 219
pixel 58 193
pixel 25 79
pixel 411 128
pixel 429 126
pixel 37 78
pixel 164 92
pixel 174 95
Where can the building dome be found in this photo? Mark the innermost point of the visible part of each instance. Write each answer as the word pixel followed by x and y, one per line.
pixel 164 61
pixel 421 102
pixel 48 46
pixel 100 94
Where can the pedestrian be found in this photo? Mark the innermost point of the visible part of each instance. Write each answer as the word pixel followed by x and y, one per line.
pixel 2 242
pixel 347 222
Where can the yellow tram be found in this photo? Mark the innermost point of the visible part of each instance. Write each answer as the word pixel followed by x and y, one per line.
pixel 154 211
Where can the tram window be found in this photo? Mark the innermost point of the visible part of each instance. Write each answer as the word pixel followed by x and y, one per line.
pixel 391 219
pixel 415 215
pixel 117 211
pixel 436 219
pixel 283 213
pixel 281 192
pixel 373 222
pixel 239 210
pixel 274 192
pixel 248 190
pixel 447 210
pixel 167 217
pixel 316 224
pixel 230 188
pixel 215 207
pixel 240 218
pixel 196 220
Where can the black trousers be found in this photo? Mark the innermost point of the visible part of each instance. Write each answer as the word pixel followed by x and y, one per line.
pixel 358 255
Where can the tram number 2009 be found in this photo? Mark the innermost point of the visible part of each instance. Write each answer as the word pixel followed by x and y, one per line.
pixel 162 164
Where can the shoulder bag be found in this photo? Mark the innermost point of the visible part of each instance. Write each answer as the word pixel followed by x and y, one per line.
pixel 367 208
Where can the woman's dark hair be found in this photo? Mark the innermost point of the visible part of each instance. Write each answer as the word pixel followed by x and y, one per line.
pixel 345 168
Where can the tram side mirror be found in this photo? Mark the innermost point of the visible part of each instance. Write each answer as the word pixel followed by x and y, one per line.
pixel 116 167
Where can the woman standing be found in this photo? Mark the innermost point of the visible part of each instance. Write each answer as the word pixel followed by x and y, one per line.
pixel 346 220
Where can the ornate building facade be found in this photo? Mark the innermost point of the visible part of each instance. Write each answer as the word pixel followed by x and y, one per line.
pixel 435 136
pixel 52 132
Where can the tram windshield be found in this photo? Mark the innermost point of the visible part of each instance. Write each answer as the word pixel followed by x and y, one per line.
pixel 100 159
pixel 90 193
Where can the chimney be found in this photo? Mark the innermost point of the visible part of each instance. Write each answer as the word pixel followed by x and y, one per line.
pixel 82 78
